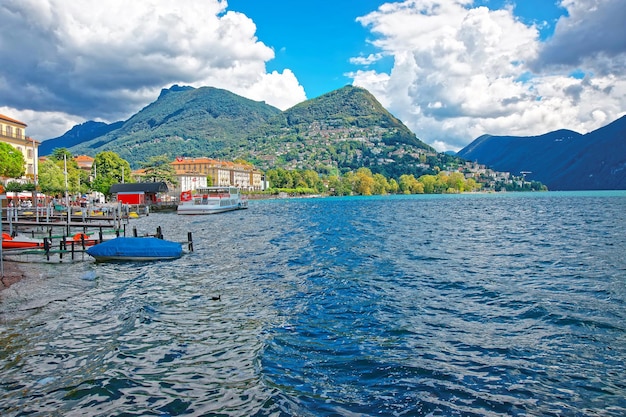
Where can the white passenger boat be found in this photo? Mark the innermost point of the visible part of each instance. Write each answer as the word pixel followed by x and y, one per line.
pixel 211 200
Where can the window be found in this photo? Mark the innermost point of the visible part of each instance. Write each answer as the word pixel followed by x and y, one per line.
pixel 9 130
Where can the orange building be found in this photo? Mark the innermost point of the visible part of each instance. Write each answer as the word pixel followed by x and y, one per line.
pixel 222 173
pixel 84 162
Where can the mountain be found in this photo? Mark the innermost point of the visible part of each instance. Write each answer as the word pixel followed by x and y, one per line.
pixel 562 160
pixel 77 135
pixel 339 131
pixel 342 130
pixel 183 121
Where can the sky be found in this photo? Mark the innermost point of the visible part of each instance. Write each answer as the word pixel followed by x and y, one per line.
pixel 451 70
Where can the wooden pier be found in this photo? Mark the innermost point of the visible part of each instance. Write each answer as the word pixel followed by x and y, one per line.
pixel 66 236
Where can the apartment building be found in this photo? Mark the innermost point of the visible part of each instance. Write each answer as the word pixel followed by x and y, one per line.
pixel 222 173
pixel 13 132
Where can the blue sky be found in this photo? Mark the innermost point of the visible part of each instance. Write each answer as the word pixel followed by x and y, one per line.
pixel 317 38
pixel 451 70
pixel 314 38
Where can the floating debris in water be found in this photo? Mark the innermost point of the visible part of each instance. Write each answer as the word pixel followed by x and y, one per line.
pixel 89 276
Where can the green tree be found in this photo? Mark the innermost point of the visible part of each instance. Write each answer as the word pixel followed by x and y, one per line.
pixel 428 181
pixel 59 154
pixel 364 182
pixel 312 180
pixel 76 178
pixel 393 186
pixel 279 178
pixel 381 185
pixel 456 182
pixel 15 186
pixel 159 168
pixel 12 163
pixel 110 169
pixel 51 177
pixel 408 184
pixel 471 185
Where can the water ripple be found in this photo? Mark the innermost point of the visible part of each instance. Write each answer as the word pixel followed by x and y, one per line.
pixel 433 305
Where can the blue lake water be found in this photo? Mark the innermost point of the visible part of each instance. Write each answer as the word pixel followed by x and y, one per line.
pixel 467 305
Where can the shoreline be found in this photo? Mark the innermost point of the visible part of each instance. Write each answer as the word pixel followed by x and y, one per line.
pixel 12 274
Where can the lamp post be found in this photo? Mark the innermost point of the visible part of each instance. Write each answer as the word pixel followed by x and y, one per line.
pixel 36 190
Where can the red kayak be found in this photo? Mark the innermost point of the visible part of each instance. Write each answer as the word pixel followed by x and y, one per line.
pixel 20 242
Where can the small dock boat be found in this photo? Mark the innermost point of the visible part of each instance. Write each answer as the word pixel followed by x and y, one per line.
pixel 137 249
pixel 211 200
pixel 20 242
pixel 89 239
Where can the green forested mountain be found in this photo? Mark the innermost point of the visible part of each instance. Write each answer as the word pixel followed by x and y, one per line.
pixel 183 121
pixel 340 131
pixel 343 130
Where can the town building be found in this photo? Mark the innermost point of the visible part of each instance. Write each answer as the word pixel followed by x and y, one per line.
pixel 193 172
pixel 13 132
pixel 140 193
pixel 84 162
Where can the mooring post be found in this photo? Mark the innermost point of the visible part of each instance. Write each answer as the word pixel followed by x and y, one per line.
pixel 46 247
pixel 189 242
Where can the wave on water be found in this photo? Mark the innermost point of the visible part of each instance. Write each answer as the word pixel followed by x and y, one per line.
pixel 418 305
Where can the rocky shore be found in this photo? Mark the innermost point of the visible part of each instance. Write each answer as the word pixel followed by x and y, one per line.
pixel 12 274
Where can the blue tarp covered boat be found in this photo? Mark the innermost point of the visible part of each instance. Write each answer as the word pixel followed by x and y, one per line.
pixel 135 249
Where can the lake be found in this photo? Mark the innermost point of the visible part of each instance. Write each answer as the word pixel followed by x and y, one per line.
pixel 445 305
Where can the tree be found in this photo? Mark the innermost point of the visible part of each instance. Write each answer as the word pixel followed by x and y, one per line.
pixel 456 181
pixel 410 185
pixel 51 177
pixel 334 185
pixel 76 177
pixel 393 186
pixel 61 154
pixel 471 185
pixel 364 182
pixel 159 168
pixel 12 163
pixel 381 185
pixel 111 169
pixel 279 178
pixel 428 181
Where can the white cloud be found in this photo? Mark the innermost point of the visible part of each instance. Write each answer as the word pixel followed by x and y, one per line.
pixel 461 71
pixel 593 35
pixel 47 125
pixel 366 60
pixel 94 59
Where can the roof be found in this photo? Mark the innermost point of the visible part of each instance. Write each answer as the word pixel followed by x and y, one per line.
pixel 182 161
pixel 8 119
pixel 83 158
pixel 146 187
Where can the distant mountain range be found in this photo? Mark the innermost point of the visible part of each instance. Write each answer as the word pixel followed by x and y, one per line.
pixel 339 131
pixel 562 160
pixel 77 135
